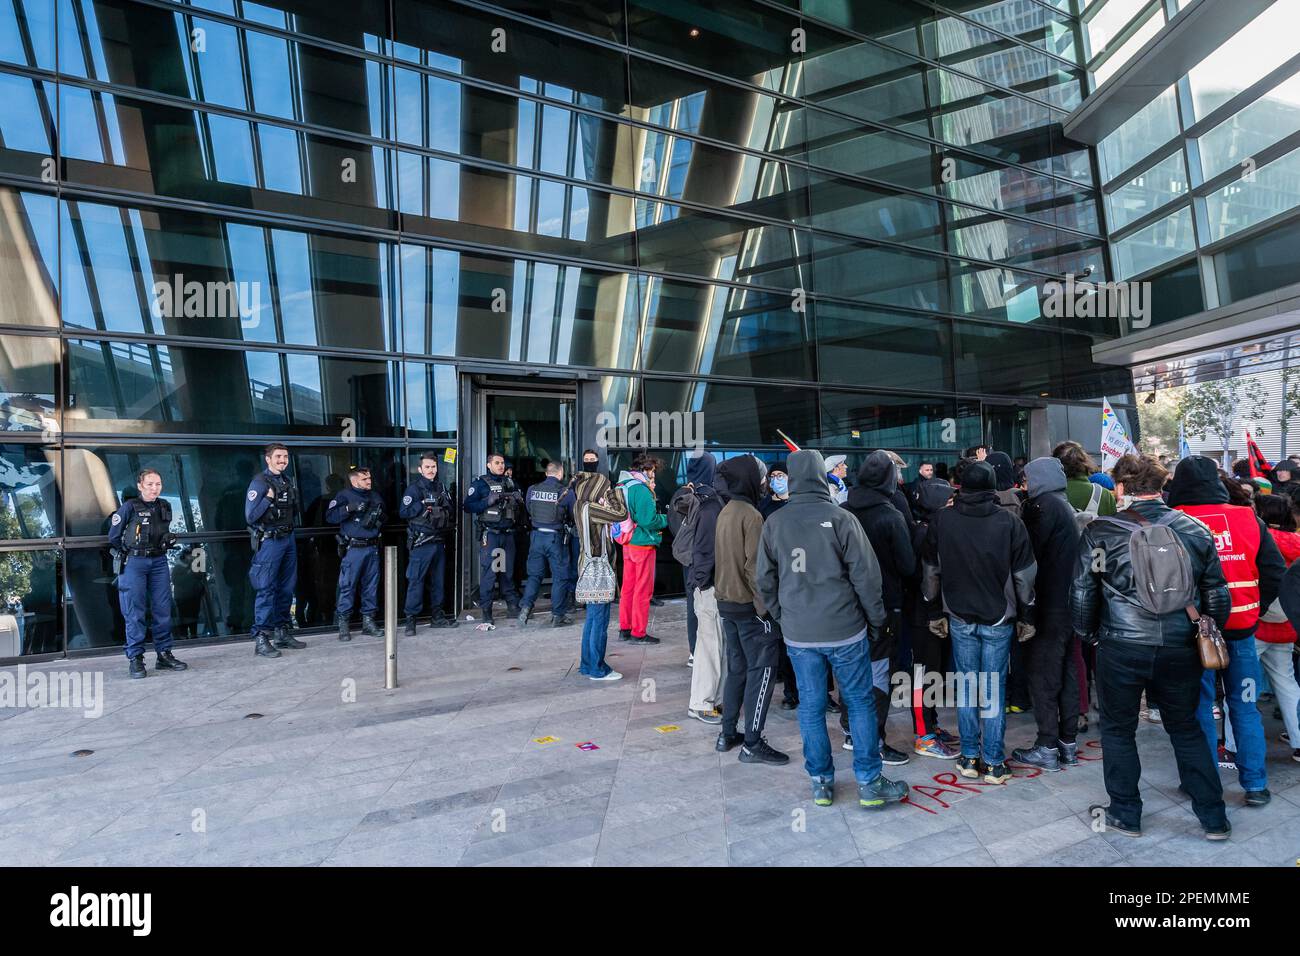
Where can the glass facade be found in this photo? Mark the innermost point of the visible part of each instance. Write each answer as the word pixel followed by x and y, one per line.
pixel 226 222
pixel 1202 186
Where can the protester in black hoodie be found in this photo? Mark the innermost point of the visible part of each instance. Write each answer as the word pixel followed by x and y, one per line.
pixel 1253 566
pixel 707 673
pixel 871 501
pixel 978 558
pixel 929 629
pixel 1048 658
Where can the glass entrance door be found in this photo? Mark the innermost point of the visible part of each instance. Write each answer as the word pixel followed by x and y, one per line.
pixel 1006 428
pixel 531 430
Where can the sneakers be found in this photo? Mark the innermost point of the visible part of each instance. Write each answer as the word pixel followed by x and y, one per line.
pixel 727 742
pixel 833 706
pixel 848 742
pixel 1284 737
pixel 823 793
pixel 1044 758
pixel 522 617
pixel 1068 753
pixel 762 752
pixel 1227 759
pixel 647 639
pixel 1151 714
pixel 931 746
pixel 952 740
pixel 880 792
pixel 562 621
pixel 625 635
pixel 705 716
pixel 690 660
pixel 892 757
pixel 1219 834
pixel 1295 755
pixel 789 703
pixel 1016 709
pixel 1083 724
pixel 611 676
pixel 1217 712
pixel 997 773
pixel 1098 810
pixel 968 766
pixel 1258 798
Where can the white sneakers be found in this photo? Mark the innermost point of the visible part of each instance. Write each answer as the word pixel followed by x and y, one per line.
pixel 612 675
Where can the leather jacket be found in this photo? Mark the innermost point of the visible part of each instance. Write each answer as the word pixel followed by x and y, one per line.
pixel 1098 611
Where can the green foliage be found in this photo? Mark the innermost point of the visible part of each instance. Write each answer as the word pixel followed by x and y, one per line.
pixel 1211 408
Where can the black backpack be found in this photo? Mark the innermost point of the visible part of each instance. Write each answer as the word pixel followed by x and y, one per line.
pixel 683 512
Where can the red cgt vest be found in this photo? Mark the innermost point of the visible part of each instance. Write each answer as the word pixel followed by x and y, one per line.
pixel 1236 539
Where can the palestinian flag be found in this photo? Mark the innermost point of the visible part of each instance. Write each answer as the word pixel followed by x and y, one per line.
pixel 1259 465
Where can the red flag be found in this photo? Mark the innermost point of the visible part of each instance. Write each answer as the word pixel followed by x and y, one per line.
pixel 788 443
pixel 1259 465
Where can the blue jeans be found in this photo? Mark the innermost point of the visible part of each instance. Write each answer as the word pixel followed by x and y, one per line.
pixel 593 641
pixel 980 653
pixel 1241 683
pixel 851 665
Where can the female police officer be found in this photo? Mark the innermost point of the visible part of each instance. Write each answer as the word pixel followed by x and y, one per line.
pixel 139 536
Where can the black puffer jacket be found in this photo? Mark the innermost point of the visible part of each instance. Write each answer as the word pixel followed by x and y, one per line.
pixel 1097 610
pixel 871 502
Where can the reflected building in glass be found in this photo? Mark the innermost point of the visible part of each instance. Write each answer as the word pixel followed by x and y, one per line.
pixel 375 228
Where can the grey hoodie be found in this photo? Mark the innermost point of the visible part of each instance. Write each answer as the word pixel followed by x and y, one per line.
pixel 816 571
pixel 1043 475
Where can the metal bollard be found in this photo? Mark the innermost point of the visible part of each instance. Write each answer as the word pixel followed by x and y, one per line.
pixel 390 618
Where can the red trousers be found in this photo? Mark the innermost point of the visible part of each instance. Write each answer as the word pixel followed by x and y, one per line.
pixel 638 585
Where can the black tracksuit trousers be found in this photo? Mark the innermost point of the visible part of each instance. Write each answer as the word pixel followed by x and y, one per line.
pixel 752 655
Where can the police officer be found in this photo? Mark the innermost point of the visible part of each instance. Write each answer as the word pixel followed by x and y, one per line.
pixel 495 500
pixel 428 509
pixel 138 537
pixel 359 512
pixel 269 511
pixel 546 504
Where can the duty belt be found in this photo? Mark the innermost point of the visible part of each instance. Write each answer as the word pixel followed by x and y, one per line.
pixel 146 552
pixel 273 533
pixel 360 542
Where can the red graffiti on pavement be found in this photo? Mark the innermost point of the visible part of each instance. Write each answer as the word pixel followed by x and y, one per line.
pixel 949 782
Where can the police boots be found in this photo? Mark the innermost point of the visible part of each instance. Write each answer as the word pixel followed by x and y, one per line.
pixel 369 627
pixel 137 667
pixel 344 633
pixel 442 619
pixel 264 647
pixel 410 625
pixel 283 638
pixel 167 662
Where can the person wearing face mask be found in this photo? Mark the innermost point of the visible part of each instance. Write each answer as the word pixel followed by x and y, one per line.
pixel 778 495
pixel 750 637
pixel 590 466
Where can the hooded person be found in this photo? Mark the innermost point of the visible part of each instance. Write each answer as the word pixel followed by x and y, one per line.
pixel 929 632
pixel 1253 566
pixel 750 639
pixel 1049 657
pixel 707 659
pixel 1005 481
pixel 700 470
pixel 871 501
pixel 818 576
pixel 979 562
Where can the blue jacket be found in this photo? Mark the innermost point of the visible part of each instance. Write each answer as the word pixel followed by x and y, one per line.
pixel 263 511
pixel 360 514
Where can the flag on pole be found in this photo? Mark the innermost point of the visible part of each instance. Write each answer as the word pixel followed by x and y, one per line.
pixel 1184 450
pixel 788 443
pixel 1115 443
pixel 1259 465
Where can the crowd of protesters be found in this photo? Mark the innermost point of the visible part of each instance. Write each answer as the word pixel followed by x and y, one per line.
pixel 996 587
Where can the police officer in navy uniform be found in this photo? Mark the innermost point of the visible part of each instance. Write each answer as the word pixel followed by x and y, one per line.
pixel 428 509
pixel 359 513
pixel 269 510
pixel 138 537
pixel 495 501
pixel 546 504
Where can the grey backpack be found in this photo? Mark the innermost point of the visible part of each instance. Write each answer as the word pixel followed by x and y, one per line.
pixel 683 511
pixel 1162 571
